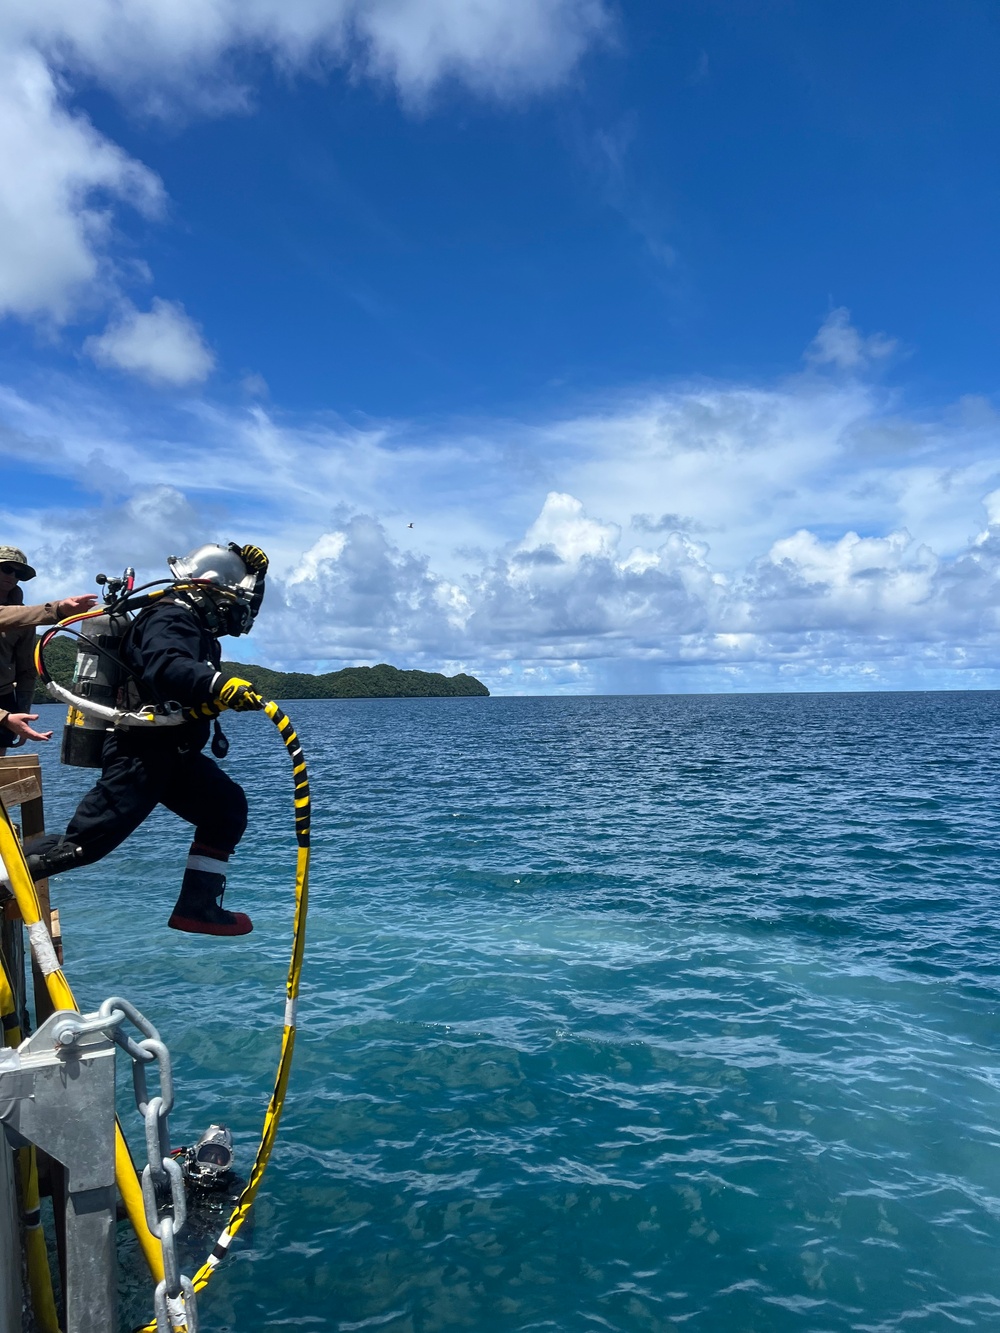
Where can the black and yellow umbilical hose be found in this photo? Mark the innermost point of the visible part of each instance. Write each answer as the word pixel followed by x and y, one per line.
pixel 272 1116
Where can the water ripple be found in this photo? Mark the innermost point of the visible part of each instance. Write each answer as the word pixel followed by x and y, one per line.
pixel 618 1014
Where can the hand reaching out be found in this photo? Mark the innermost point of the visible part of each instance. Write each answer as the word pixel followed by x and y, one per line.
pixel 75 606
pixel 18 724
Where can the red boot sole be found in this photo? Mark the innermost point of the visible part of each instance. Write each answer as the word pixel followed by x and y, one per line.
pixel 241 926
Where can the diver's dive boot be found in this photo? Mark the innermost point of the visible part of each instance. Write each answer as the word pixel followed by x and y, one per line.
pixel 199 910
pixel 49 853
pixel 46 854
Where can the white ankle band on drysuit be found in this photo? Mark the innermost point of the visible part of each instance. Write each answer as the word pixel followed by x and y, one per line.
pixel 208 863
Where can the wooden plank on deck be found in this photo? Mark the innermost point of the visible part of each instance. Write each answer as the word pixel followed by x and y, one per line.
pixel 18 793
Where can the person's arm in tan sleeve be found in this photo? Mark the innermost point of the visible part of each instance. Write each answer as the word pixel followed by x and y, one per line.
pixel 12 617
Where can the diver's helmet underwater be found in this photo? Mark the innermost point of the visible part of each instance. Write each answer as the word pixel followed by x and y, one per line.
pixel 212 1187
pixel 207 1164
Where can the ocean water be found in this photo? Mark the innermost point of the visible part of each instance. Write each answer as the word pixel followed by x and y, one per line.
pixel 618 1014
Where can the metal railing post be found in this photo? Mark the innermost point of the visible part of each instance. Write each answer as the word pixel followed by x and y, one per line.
pixel 10 1246
pixel 61 1098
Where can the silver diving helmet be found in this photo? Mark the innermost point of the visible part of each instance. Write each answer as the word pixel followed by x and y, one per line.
pixel 221 576
pixel 211 1158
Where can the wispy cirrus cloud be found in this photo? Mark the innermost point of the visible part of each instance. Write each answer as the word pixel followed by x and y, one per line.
pixel 838 343
pixel 608 155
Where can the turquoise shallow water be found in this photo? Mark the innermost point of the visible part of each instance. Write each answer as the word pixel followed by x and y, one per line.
pixel 618 1014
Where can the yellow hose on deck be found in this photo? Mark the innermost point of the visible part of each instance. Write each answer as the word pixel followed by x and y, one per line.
pixel 12 855
pixel 43 1301
pixel 8 1009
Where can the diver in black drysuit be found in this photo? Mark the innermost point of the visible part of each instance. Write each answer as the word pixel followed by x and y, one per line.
pixel 173 655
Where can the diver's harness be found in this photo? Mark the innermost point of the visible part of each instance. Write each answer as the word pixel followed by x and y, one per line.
pixel 105 692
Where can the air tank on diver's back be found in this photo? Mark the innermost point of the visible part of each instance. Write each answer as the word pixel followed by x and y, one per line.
pixel 98 676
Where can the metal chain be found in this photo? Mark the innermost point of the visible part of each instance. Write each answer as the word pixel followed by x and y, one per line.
pixel 174 1299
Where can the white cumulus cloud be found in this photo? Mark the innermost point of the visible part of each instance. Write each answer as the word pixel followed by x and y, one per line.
pixel 328 547
pixel 388 602
pixel 562 533
pixel 809 533
pixel 59 179
pixel 162 345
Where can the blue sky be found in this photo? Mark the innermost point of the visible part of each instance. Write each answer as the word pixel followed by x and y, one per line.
pixel 670 327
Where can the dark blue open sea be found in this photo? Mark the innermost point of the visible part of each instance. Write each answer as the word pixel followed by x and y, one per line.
pixel 618 1014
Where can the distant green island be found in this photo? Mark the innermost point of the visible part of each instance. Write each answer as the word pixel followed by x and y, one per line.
pixel 377 682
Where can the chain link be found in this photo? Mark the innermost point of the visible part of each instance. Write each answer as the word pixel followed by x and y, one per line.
pixel 162 1178
pixel 75 1026
pixel 166 1316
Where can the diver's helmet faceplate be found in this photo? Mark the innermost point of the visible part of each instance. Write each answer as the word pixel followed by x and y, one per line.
pixel 211 1158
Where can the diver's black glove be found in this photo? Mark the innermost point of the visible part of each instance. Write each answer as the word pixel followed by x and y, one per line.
pixel 239 695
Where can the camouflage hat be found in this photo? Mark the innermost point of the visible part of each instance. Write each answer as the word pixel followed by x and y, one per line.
pixel 10 555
